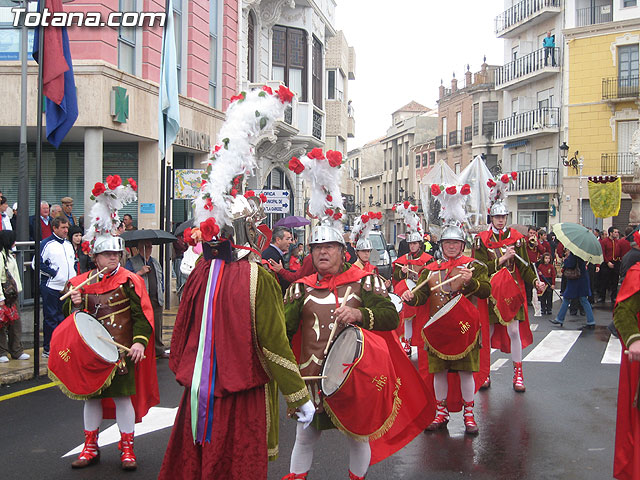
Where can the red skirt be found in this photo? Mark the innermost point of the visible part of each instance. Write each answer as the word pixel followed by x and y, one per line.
pixel 238 447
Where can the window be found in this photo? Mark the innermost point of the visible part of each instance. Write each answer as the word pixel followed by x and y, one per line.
pixel 628 62
pixel 543 158
pixel 425 159
pixel 406 154
pixel 384 193
pixel 378 198
pixel 127 41
pixel 444 132
pixel 335 85
pixel 629 3
pixel 432 157
pixel 251 35
pixel 316 73
pixel 418 161
pixel 289 59
pixel 476 118
pixel 458 121
pixel 545 98
pixel 213 52
pixel 177 30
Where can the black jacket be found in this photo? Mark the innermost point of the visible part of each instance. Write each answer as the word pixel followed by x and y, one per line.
pixel 272 253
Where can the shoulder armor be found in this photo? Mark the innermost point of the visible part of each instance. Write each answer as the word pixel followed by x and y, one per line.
pixel 293 293
pixel 367 283
pixel 478 241
pixel 518 242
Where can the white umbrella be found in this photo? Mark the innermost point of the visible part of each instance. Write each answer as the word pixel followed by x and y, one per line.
pixel 441 174
pixel 476 175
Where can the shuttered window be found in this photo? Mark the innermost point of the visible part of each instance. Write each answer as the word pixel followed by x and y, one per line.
pixel 122 159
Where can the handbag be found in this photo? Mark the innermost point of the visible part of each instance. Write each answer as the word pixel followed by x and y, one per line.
pixel 572 273
pixel 8 315
pixel 9 287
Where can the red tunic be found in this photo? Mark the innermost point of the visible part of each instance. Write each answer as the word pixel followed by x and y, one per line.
pixel 408 312
pixel 610 249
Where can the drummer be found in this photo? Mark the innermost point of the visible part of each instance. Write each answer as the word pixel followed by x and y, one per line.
pixel 501 247
pixel 119 300
pixel 453 343
pixel 360 237
pixel 406 270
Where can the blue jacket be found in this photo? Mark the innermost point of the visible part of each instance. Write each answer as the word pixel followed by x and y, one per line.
pixel 580 287
pixel 549 42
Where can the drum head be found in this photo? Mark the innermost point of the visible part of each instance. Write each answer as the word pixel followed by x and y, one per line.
pixel 411 284
pixel 444 310
pixel 91 330
pixel 345 349
pixel 397 301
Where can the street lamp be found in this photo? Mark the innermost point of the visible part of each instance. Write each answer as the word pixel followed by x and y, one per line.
pixel 401 192
pixel 571 162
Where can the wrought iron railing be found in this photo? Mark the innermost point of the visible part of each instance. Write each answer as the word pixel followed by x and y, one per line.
pixel 594 15
pixel 618 163
pixel 527 122
pixel 536 179
pixel 527 64
pixel 521 11
pixel 455 138
pixel 468 134
pixel 441 142
pixel 317 125
pixel 620 87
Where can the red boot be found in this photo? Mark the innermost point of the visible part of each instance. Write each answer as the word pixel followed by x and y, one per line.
pixel 442 417
pixel 127 458
pixel 470 425
pixel 406 345
pixel 518 378
pixel 487 383
pixel 90 453
pixel 353 476
pixel 295 476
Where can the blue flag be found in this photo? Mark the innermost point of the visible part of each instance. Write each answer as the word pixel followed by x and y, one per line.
pixel 168 107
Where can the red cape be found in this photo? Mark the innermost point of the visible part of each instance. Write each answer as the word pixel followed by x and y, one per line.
pixel 513 237
pixel 408 311
pixel 405 260
pixel 147 394
pixel 626 460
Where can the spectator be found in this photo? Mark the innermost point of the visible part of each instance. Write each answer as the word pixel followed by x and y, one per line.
pixel 178 249
pixel 610 268
pixel 128 222
pixel 10 343
pixel 151 271
pixel 14 217
pixel 543 242
pixel 403 247
pixel 67 209
pixel 350 110
pixel 548 276
pixel 295 261
pixel 274 253
pixel 350 254
pixel 549 44
pixel 57 266
pixel 5 223
pixel 81 222
pixel 625 242
pixel 428 246
pixel 576 288
pixel 56 211
pixel 534 253
pixel 45 223
pixel 83 262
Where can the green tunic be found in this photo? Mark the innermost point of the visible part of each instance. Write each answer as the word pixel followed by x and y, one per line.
pixel 626 320
pixel 483 254
pixel 125 385
pixel 478 287
pixel 385 317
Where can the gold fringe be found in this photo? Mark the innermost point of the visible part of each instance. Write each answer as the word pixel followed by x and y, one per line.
pixel 74 396
pixel 451 357
pixel 253 290
pixel 386 426
pixel 281 361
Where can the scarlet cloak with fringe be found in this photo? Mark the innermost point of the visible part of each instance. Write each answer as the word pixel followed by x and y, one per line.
pixel 147 394
pixel 408 311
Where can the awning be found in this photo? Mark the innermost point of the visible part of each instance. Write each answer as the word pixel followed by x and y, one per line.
pixel 518 143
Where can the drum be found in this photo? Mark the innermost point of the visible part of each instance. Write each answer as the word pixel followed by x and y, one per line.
pixel 507 294
pixel 397 301
pixel 79 358
pixel 359 371
pixel 404 285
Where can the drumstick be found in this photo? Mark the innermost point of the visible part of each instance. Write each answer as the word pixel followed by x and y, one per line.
pixel 119 345
pixel 89 278
pixel 314 377
pixel 335 324
pixel 439 284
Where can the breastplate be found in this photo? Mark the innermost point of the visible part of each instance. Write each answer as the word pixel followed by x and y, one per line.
pixel 439 297
pixel 113 311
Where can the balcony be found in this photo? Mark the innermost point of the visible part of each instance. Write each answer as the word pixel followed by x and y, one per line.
pixel 621 164
pixel 529 68
pixel 441 142
pixel 455 138
pixel 528 124
pixel 488 129
pixel 512 22
pixel 594 15
pixel 316 130
pixel 620 89
pixel 468 134
pixel 539 179
pixel 351 127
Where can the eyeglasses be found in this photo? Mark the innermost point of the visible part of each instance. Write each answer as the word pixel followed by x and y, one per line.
pixel 326 246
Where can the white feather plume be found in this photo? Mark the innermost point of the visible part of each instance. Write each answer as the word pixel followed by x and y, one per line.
pixel 409 216
pixel 453 205
pixel 104 214
pixel 363 226
pixel 499 190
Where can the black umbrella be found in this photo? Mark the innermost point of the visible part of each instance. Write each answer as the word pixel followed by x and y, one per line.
pixel 156 237
pixel 183 226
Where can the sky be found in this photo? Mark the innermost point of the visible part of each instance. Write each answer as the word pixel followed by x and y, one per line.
pixel 405 47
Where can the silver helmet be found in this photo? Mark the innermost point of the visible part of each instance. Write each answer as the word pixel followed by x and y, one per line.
pixel 498 208
pixel 453 232
pixel 246 215
pixel 108 243
pixel 364 244
pixel 414 237
pixel 326 234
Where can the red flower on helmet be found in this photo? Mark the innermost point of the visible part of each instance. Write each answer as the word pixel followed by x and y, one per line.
pixel 379 215
pixel 295 165
pixel 335 158
pixel 86 248
pixel 364 218
pixel 114 181
pixel 240 96
pixel 466 189
pixel 98 189
pixel 263 198
pixel 208 205
pixel 514 175
pixel 491 183
pixel 329 198
pixel 234 192
pixel 284 94
pixel 407 204
pixel 414 208
pixel 133 184
pixel 504 178
pixel 187 236
pixel 337 216
pixel 452 190
pixel 209 229
pixel 267 89
pixel 394 208
pixel 435 190
pixel 329 212
pixel 316 154
pixel 216 149
pixel 249 193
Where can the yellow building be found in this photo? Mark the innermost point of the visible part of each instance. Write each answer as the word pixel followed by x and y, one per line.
pixel 601 110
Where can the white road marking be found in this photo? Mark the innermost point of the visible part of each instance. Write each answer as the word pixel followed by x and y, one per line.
pixel 553 347
pixel 534 327
pixel 157 418
pixel 613 352
pixel 498 363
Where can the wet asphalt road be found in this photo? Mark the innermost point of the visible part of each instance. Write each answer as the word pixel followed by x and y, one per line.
pixel 563 427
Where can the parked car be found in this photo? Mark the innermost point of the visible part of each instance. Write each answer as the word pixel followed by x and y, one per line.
pixel 386 254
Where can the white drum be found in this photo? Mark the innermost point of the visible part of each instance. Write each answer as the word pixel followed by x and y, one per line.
pixel 92 332
pixel 397 301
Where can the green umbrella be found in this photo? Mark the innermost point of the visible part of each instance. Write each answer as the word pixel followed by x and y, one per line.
pixel 580 241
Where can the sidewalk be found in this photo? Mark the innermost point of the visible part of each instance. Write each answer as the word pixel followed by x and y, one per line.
pixel 20 370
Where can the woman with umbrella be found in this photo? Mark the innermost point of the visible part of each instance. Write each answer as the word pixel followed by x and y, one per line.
pixel 580 247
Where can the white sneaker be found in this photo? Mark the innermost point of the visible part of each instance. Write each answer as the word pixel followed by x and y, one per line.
pixel 24 356
pixel 4 359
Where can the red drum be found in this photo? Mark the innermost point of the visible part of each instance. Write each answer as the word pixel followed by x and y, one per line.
pixel 404 285
pixel 453 330
pixel 79 358
pixel 359 371
pixel 507 295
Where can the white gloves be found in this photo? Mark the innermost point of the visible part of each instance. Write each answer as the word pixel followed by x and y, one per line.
pixel 305 413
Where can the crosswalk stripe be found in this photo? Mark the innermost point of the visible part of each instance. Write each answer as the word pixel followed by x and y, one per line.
pixel 613 352
pixel 498 363
pixel 553 347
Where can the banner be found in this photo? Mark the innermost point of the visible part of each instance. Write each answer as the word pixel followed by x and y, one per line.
pixel 605 194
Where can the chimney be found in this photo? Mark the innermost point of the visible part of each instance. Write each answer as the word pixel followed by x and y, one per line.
pixel 454 83
pixel 441 89
pixel 467 77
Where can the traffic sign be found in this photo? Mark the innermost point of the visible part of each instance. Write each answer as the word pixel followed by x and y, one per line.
pixel 274 193
pixel 278 201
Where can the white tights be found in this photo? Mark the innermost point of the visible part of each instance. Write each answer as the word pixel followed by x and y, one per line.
pixel 513 330
pixel 408 330
pixel 441 385
pixel 306 439
pixel 125 414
